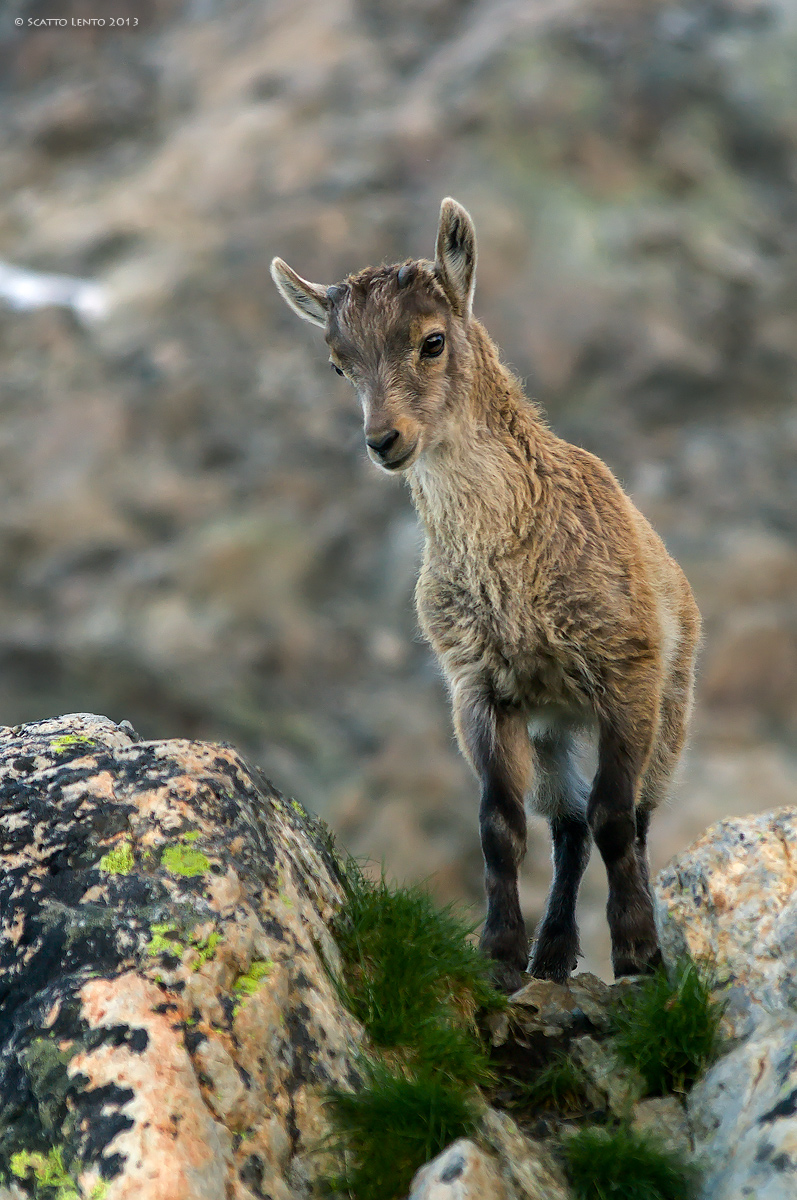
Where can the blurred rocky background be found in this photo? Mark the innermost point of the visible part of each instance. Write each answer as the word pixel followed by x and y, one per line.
pixel 190 534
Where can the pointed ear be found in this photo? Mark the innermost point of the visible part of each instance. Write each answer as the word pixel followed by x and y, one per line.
pixel 308 300
pixel 455 256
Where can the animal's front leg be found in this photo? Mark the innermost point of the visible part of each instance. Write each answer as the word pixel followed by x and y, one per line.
pixel 495 740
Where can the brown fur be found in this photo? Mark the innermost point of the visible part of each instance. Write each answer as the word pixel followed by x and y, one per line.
pixel 551 603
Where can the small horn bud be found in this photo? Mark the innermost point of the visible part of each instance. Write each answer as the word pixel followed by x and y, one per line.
pixel 405 274
pixel 336 293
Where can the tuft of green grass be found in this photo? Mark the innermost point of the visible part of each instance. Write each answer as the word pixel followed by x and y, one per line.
pixel 407 960
pixel 415 981
pixel 621 1164
pixel 669 1029
pixel 561 1085
pixel 395 1123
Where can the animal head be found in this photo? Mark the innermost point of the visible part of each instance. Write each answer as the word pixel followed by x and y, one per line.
pixel 399 334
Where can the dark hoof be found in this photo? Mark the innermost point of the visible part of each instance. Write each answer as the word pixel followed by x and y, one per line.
pixel 547 966
pixel 554 955
pixel 506 978
pixel 507 946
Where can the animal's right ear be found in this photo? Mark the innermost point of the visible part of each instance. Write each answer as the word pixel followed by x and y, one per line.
pixel 308 300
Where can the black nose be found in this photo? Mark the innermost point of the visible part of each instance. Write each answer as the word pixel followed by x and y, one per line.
pixel 382 444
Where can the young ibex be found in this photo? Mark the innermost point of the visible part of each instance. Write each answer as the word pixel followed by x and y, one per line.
pixel 550 602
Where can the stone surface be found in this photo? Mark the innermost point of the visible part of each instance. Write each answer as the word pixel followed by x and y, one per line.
pixel 167 1023
pixel 542 1012
pixel 546 1021
pixel 617 1085
pixel 666 1117
pixel 526 1166
pixel 462 1172
pixel 744 1117
pixel 500 1163
pixel 730 901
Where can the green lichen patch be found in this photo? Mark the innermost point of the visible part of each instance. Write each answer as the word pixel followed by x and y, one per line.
pixel 165 940
pixel 46 1064
pixel 185 861
pixel 72 741
pixel 247 985
pixel 205 948
pixel 171 938
pixel 118 861
pixel 193 835
pixel 620 1164
pixel 48 1171
pixel 668 1029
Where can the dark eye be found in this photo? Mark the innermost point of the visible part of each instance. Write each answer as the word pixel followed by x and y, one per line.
pixel 432 345
pixel 335 367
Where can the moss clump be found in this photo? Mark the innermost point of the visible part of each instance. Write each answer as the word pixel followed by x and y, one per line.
pixel 620 1164
pixel 118 861
pixel 669 1029
pixel 184 860
pixel 561 1085
pixel 414 979
pixel 394 1124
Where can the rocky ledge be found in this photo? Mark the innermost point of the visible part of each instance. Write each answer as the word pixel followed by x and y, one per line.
pixel 168 1028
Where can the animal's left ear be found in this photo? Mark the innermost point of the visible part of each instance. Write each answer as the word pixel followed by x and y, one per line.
pixel 455 256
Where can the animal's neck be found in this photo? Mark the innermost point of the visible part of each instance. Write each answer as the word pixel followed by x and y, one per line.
pixel 477 489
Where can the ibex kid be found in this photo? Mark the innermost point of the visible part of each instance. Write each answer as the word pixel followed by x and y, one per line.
pixel 552 605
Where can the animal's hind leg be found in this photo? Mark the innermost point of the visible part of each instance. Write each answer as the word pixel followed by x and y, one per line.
pixel 624 748
pixel 560 794
pixel 496 742
pixel 675 710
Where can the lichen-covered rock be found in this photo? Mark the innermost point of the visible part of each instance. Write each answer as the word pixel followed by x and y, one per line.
pixel 744 1117
pixel 167 1024
pixel 730 901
